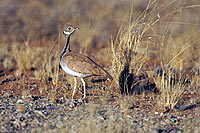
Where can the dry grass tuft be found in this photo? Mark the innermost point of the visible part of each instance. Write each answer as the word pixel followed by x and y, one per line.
pixel 25 57
pixel 128 49
pixel 172 86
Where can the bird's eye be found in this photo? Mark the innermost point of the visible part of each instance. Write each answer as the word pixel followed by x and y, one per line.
pixel 69 28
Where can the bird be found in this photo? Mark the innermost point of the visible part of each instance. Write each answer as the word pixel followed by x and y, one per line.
pixel 78 65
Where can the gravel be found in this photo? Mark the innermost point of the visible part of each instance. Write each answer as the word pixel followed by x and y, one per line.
pixel 40 115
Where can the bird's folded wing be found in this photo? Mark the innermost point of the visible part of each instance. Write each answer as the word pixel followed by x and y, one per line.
pixel 82 64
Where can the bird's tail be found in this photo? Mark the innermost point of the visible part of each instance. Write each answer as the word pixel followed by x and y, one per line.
pixel 109 76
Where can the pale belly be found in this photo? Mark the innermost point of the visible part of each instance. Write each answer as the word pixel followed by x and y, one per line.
pixel 73 73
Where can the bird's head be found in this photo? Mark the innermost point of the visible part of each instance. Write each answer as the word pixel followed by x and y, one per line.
pixel 69 29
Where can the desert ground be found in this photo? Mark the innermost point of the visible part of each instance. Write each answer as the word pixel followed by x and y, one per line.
pixel 151 48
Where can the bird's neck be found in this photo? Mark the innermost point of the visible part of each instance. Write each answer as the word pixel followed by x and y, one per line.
pixel 67 46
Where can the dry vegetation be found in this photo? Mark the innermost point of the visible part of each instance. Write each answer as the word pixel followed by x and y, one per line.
pixel 151 48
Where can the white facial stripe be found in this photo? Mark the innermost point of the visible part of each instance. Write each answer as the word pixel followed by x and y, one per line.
pixel 65 32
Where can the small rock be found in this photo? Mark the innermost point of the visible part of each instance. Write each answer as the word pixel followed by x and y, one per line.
pixel 22 118
pixel 40 113
pixel 46 125
pixel 154 131
pixel 100 117
pixel 197 130
pixel 59 125
pixel 46 113
pixel 173 120
pixel 156 113
pixel 23 124
pixel 21 108
pixel 20 101
pixel 80 100
pixel 128 116
pixel 135 123
pixel 6 95
pixel 71 105
pixel 59 117
pixel 161 114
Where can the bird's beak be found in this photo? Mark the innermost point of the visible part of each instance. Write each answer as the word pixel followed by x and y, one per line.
pixel 77 28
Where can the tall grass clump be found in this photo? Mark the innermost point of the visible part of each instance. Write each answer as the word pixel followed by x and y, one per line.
pixel 175 78
pixel 25 56
pixel 177 55
pixel 172 85
pixel 129 51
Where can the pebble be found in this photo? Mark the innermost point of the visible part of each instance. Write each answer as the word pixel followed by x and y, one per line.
pixel 161 114
pixel 197 130
pixel 21 108
pixel 59 124
pixel 6 94
pixel 72 105
pixel 20 101
pixel 59 117
pixel 156 113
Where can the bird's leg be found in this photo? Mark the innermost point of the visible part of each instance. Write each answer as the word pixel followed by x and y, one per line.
pixel 84 96
pixel 75 83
